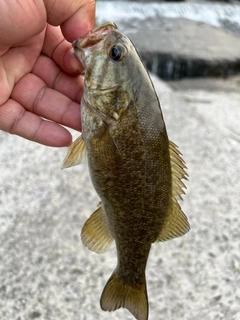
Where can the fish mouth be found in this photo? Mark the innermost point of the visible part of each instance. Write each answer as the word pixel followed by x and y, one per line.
pixel 94 36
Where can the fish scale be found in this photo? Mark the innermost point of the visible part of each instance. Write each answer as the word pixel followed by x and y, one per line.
pixel 135 169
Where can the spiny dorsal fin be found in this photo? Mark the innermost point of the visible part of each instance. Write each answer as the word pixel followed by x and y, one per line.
pixel 95 233
pixel 76 153
pixel 118 294
pixel 176 223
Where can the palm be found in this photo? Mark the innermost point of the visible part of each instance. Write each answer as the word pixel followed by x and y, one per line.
pixel 18 61
pixel 40 87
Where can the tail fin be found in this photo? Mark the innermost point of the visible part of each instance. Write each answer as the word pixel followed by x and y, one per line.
pixel 117 294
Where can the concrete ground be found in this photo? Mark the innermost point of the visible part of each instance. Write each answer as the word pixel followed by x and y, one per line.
pixel 47 274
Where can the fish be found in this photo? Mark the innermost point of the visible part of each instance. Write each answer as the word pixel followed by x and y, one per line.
pixel 135 169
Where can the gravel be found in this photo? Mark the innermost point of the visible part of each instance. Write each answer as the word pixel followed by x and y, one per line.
pixel 47 274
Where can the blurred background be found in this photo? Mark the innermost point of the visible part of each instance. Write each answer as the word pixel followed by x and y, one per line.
pixel 192 51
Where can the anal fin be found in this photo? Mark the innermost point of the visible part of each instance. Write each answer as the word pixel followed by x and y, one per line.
pixel 95 233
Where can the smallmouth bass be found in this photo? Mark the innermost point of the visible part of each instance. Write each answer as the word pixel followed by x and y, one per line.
pixel 136 171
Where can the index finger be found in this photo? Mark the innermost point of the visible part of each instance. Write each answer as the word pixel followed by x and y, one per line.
pixel 76 18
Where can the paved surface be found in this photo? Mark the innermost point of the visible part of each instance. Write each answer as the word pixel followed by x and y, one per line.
pixel 166 46
pixel 47 274
pixel 178 40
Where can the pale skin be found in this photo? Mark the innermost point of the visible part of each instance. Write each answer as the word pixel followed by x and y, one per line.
pixel 40 86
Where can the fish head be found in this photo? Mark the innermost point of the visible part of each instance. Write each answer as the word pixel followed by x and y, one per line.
pixel 107 56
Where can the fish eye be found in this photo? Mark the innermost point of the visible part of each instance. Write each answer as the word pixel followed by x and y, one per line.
pixel 116 53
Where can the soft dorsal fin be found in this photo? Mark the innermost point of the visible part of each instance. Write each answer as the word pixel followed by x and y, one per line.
pixel 95 233
pixel 76 153
pixel 176 223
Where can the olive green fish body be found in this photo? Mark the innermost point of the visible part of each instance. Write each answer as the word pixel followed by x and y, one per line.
pixel 134 168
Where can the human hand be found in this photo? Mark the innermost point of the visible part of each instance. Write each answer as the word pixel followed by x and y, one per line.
pixel 39 74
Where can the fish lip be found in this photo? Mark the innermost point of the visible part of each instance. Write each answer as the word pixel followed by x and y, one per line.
pixel 108 24
pixel 94 36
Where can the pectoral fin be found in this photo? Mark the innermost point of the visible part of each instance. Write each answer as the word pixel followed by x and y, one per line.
pixel 176 223
pixel 76 153
pixel 95 233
